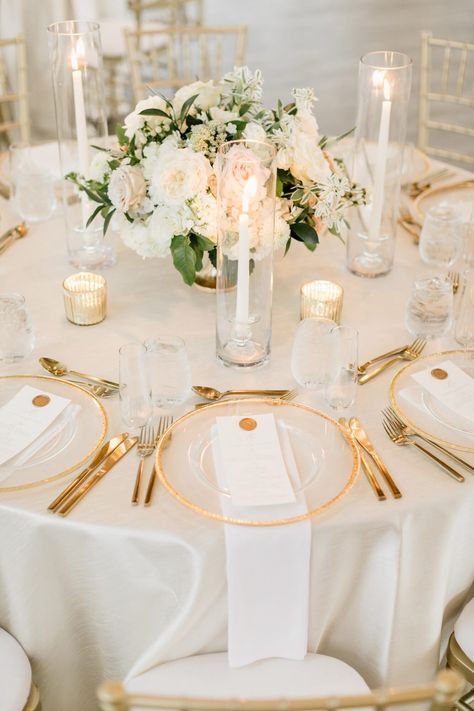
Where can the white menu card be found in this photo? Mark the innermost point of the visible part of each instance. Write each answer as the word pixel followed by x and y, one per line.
pixel 455 390
pixel 21 421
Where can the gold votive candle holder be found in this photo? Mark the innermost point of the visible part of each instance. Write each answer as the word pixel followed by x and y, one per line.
pixel 321 299
pixel 85 298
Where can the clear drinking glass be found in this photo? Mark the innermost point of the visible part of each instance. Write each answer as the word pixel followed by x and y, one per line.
pixel 341 386
pixel 17 338
pixel 169 370
pixel 464 328
pixel 309 355
pixel 429 312
pixel 31 184
pixel 134 391
pixel 440 238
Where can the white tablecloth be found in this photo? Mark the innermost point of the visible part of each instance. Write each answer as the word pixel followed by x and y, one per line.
pixel 114 589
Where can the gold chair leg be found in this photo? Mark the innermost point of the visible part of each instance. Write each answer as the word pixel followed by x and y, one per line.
pixel 34 702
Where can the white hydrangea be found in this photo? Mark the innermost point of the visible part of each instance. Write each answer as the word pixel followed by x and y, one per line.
pixel 99 168
pixel 204 209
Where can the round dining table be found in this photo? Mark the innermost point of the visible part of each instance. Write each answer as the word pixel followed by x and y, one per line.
pixel 114 589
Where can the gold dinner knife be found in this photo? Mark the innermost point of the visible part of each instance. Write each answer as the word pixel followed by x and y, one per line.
pixel 104 452
pixel 371 478
pixel 111 460
pixel 365 443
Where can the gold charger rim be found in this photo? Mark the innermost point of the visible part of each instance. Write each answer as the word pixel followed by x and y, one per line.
pixel 272 402
pixel 425 159
pixel 461 185
pixel 95 448
pixel 416 428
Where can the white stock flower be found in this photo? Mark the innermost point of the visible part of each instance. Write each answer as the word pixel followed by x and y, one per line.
pixel 134 122
pixel 223 116
pixel 304 99
pixel 254 132
pixel 127 188
pixel 99 167
pixel 307 162
pixel 208 94
pixel 204 208
pixel 178 175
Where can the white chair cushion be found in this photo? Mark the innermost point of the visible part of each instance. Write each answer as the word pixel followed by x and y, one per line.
pixel 209 675
pixel 464 630
pixel 15 674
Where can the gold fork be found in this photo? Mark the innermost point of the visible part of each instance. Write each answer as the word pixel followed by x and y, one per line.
pixel 390 415
pixel 395 352
pixel 145 446
pixel 454 279
pixel 410 353
pixel 290 395
pixel 397 436
pixel 164 422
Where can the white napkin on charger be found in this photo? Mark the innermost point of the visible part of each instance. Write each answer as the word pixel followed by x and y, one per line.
pixel 267 574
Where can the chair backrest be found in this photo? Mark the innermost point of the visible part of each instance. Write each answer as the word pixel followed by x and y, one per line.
pixel 173 12
pixel 442 694
pixel 166 59
pixel 446 89
pixel 14 115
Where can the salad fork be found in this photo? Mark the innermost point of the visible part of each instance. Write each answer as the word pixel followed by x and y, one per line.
pixel 290 395
pixel 410 353
pixel 398 437
pixel 391 416
pixel 145 447
pixel 164 422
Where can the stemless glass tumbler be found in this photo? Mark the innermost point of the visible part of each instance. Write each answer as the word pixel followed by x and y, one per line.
pixel 464 328
pixel 341 386
pixel 309 356
pixel 379 145
pixel 440 238
pixel 429 312
pixel 169 370
pixel 17 338
pixel 134 391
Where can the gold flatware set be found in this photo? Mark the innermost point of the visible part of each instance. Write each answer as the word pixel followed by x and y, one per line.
pixel 11 235
pixel 410 352
pixel 146 446
pixel 97 386
pixel 417 187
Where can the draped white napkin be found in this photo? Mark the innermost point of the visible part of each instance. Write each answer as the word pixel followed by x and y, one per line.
pixel 267 574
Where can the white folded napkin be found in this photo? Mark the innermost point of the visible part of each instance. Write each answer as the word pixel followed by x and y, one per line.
pixel 267 574
pixel 28 423
pixel 65 421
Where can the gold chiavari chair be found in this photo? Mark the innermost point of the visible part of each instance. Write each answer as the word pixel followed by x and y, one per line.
pixel 446 89
pixel 165 60
pixel 441 695
pixel 14 114
pixel 460 654
pixel 172 12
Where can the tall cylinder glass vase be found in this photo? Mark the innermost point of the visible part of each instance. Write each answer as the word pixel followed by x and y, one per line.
pixel 384 92
pixel 246 184
pixel 76 64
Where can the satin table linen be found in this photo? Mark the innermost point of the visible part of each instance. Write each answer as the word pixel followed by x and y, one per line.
pixel 114 589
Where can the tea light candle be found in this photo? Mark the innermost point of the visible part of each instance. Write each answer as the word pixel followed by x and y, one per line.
pixel 85 298
pixel 321 299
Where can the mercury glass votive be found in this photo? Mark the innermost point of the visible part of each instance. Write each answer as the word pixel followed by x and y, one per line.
pixel 321 299
pixel 85 298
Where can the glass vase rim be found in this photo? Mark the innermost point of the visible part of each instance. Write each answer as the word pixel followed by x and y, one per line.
pixel 364 59
pixel 13 296
pixel 253 141
pixel 55 27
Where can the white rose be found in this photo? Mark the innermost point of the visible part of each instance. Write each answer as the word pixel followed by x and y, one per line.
pixel 207 95
pixel 134 122
pixel 307 161
pixel 254 132
pixel 240 164
pixel 178 175
pixel 127 188
pixel 222 115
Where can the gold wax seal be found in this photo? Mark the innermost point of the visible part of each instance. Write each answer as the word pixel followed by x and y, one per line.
pixel 41 400
pixel 439 373
pixel 247 424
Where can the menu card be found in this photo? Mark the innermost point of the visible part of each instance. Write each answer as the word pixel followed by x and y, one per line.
pixel 253 461
pixel 451 386
pixel 25 417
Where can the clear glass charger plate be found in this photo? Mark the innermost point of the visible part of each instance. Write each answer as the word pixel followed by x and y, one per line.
pixel 326 458
pixel 434 420
pixel 69 449
pixel 460 195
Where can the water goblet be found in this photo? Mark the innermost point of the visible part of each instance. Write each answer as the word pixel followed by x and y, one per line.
pixel 464 326
pixel 17 337
pixel 134 391
pixel 341 385
pixel 429 311
pixel 310 352
pixel 440 238
pixel 169 370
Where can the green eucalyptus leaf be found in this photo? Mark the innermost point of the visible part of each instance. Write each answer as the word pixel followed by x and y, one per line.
pixel 212 254
pixel 287 246
pixel 107 220
pixel 304 233
pixel 154 112
pixel 121 135
pixel 94 215
pixel 186 106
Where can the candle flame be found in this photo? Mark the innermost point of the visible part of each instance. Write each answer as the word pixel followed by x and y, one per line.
pixel 386 90
pixel 77 54
pixel 250 189
pixel 378 78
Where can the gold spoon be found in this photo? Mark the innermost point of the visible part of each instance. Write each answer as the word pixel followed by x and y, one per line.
pixel 212 394
pixel 55 367
pixel 11 235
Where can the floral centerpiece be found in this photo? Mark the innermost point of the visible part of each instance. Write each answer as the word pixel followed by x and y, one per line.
pixel 159 183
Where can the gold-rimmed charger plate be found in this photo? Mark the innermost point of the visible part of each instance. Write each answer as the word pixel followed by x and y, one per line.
pixel 71 448
pixel 420 166
pixel 460 194
pixel 429 417
pixel 327 460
